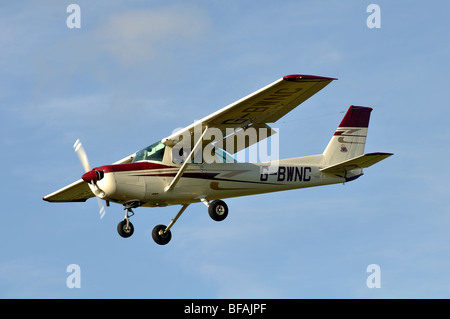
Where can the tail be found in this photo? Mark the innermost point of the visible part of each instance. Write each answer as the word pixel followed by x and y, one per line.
pixel 349 139
pixel 345 151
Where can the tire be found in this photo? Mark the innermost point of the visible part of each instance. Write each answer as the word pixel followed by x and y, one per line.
pixel 161 239
pixel 122 229
pixel 218 210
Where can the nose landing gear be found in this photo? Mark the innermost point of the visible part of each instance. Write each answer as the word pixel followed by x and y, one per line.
pixel 125 228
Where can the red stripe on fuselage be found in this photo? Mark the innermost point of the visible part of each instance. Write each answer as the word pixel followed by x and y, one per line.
pixel 139 166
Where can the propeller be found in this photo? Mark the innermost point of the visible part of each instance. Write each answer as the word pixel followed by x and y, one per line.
pixel 91 176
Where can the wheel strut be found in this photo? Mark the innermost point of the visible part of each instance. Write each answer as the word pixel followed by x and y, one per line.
pixel 161 234
pixel 128 213
pixel 173 221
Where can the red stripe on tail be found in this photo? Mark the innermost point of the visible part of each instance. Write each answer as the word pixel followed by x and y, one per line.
pixel 356 116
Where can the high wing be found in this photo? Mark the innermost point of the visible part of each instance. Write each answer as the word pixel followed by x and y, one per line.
pixel 266 105
pixel 78 191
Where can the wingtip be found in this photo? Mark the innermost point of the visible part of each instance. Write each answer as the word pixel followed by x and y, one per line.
pixel 302 77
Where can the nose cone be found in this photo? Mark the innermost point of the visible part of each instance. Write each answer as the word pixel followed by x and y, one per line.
pixel 92 176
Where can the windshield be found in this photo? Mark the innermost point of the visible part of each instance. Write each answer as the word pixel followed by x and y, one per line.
pixel 154 152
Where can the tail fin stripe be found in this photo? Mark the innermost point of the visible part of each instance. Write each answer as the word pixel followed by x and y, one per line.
pixel 357 116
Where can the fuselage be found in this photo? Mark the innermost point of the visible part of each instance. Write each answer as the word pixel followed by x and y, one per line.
pixel 145 181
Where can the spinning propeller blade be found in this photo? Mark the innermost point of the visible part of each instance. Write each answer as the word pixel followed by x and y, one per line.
pixel 101 208
pixel 79 149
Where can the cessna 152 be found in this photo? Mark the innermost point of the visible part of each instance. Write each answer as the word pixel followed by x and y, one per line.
pixel 190 165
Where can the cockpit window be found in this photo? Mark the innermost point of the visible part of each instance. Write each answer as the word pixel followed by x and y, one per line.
pixel 154 152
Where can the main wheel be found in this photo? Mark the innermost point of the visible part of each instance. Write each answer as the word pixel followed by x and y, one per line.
pixel 158 237
pixel 218 210
pixel 125 231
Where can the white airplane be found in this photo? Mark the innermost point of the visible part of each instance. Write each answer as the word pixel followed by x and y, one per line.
pixel 190 166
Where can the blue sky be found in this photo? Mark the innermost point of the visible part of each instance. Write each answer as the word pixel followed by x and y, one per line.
pixel 136 70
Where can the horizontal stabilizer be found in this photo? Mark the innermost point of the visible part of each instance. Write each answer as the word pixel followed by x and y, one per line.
pixel 361 161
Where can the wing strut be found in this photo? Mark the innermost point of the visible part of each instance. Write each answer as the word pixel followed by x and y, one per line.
pixel 186 163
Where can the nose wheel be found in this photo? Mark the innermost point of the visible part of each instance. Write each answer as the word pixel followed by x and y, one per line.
pixel 125 228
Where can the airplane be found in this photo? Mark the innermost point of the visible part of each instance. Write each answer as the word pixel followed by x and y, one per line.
pixel 196 163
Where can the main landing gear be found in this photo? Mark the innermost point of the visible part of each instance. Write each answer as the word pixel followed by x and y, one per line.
pixel 218 210
pixel 161 234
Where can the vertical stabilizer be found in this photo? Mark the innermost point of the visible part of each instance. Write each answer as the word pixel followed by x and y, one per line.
pixel 349 139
